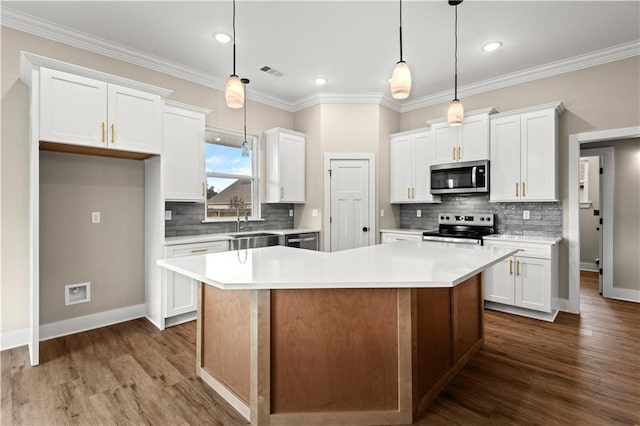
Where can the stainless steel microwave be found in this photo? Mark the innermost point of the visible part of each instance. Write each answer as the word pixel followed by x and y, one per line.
pixel 460 178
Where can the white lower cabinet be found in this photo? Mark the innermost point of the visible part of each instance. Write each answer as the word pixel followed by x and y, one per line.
pixel 181 295
pixel 527 280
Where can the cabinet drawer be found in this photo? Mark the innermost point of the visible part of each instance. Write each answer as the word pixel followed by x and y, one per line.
pixel 542 251
pixel 389 237
pixel 200 248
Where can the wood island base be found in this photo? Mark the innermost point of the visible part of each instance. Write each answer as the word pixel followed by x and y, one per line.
pixel 336 356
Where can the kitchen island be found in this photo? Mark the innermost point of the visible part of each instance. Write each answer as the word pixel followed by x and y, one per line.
pixel 362 336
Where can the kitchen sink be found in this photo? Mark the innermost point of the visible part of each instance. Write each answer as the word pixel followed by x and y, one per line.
pixel 245 241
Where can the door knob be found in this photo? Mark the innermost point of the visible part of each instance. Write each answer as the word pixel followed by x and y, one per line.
pixel 365 229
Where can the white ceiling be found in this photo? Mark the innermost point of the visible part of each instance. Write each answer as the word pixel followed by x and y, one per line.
pixel 354 44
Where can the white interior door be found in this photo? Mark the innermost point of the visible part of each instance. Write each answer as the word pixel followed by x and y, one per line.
pixel 350 219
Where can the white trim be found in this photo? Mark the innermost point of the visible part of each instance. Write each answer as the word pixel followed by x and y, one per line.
pixel 560 304
pixel 89 322
pixel 573 231
pixel 346 98
pixel 483 111
pixel 626 294
pixel 187 107
pixel 523 312
pixel 14 339
pixel 34 219
pixel 589 266
pixel 328 157
pixel 226 394
pixel 49 30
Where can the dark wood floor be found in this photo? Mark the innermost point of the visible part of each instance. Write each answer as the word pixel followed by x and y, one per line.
pixel 579 370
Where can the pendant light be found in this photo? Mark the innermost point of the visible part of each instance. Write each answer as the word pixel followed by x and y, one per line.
pixel 245 149
pixel 456 111
pixel 234 91
pixel 401 77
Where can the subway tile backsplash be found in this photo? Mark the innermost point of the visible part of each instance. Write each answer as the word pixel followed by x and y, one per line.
pixel 545 218
pixel 187 220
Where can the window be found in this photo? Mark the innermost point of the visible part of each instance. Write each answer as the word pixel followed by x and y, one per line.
pixel 232 175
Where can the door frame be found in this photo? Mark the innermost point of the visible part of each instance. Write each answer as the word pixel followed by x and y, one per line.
pixel 573 231
pixel 606 206
pixel 326 225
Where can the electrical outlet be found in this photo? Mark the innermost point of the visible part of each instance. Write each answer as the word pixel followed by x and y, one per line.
pixel 290 212
pixel 418 213
pixel 381 212
pixel 95 217
pixel 167 215
pixel 314 212
pixel 525 214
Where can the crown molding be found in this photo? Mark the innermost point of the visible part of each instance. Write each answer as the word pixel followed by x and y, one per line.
pixel 46 29
pixel 575 63
pixel 346 98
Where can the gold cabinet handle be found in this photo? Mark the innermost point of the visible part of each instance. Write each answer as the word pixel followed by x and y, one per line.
pixel 511 267
pixel 516 189
pixel 103 131
pixel 517 268
pixel 459 153
pixel 113 133
pixel 408 193
pixel 523 190
pixel 282 192
pixel 203 189
pixel 454 153
pixel 413 193
pixel 199 250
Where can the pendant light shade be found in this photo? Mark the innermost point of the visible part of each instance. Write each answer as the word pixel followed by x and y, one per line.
pixel 401 81
pixel 401 77
pixel 456 111
pixel 245 149
pixel 233 91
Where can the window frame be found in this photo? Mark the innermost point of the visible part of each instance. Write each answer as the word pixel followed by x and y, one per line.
pixel 254 140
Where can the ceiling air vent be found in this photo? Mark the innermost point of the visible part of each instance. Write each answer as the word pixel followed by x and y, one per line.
pixel 272 71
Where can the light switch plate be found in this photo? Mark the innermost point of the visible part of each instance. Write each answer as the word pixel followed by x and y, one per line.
pixel 167 215
pixel 314 212
pixel 381 212
pixel 95 217
pixel 525 214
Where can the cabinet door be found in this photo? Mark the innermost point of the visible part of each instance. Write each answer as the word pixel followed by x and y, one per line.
pixel 291 168
pixel 135 120
pixel 401 173
pixel 533 284
pixel 183 155
pixel 182 294
pixel 505 159
pixel 473 138
pixel 73 109
pixel 499 282
pixel 445 139
pixel 538 151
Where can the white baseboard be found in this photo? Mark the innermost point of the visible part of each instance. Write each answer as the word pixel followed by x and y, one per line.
pixel 561 304
pixel 626 294
pixel 529 313
pixel 89 322
pixel 13 339
pixel 586 266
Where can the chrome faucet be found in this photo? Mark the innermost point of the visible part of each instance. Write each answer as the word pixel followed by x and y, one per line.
pixel 246 218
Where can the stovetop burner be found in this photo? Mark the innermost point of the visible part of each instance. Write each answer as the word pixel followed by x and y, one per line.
pixel 468 228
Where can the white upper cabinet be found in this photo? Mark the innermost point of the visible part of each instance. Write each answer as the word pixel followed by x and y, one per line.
pixel 285 163
pixel 183 153
pixel 524 158
pixel 84 111
pixel 411 154
pixel 467 142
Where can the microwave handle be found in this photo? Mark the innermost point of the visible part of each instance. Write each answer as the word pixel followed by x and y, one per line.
pixel 473 177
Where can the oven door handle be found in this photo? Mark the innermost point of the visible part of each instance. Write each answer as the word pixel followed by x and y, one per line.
pixel 473 177
pixel 451 240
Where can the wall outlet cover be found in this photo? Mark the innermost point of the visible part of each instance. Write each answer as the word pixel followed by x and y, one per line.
pixel 95 217
pixel 290 212
pixel 381 212
pixel 167 215
pixel 314 212
pixel 418 213
pixel 525 214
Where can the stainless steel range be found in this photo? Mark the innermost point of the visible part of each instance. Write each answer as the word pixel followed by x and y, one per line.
pixel 461 228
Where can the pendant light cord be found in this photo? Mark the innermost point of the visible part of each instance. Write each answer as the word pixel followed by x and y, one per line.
pixel 234 37
pixel 455 84
pixel 401 60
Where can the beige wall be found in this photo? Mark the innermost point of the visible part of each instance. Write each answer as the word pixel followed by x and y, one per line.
pixel 589 222
pixel 14 284
pixel 596 98
pixel 73 250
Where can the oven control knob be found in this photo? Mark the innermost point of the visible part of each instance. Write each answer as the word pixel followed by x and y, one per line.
pixel 481 219
pixel 441 217
pixel 447 217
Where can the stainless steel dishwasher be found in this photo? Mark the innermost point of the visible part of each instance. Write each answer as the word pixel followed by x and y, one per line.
pixel 307 240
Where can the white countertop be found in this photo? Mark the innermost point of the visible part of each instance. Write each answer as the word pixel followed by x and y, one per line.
pixel 402 264
pixel 205 238
pixel 523 238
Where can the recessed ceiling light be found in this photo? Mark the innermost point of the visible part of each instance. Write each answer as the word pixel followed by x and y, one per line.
pixel 491 46
pixel 320 81
pixel 222 37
